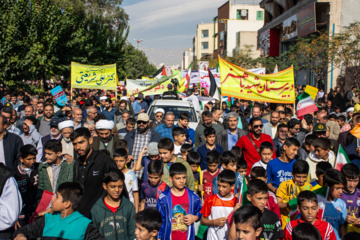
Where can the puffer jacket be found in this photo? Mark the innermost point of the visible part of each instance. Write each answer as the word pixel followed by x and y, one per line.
pixel 312 160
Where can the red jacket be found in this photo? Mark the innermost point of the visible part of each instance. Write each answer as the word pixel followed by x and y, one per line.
pixel 325 229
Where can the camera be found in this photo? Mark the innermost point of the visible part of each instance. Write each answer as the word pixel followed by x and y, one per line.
pixel 175 82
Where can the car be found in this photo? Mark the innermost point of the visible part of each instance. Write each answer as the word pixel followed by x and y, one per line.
pixel 177 107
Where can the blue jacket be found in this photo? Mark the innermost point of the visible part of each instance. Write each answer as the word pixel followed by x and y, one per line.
pixel 238 182
pixel 164 206
pixel 192 135
pixel 109 115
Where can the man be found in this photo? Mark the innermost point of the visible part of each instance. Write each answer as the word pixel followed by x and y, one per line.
pixel 7 112
pixel 207 121
pixel 91 127
pixel 66 128
pixel 10 145
pixel 125 115
pixel 91 114
pixel 102 103
pixel 281 137
pixel 140 106
pixel 89 169
pixel 30 134
pixel 344 126
pixel 217 114
pixel 320 130
pixel 165 130
pixel 349 95
pixel 118 114
pixel 40 110
pixel 105 140
pixel 170 94
pixel 274 121
pixel 44 127
pixel 250 144
pixel 329 107
pixel 192 98
pixel 77 118
pixel 294 130
pixel 129 126
pixel 333 127
pixel 346 138
pixel 349 114
pixel 229 137
pixel 14 101
pixel 159 115
pixel 54 134
pixel 256 112
pixel 109 111
pixel 21 108
pixel 7 99
pixel 282 117
pixel 139 138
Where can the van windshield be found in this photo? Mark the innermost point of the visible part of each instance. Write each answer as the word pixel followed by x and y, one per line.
pixel 176 110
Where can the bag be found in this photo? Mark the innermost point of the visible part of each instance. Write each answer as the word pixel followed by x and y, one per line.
pixel 252 141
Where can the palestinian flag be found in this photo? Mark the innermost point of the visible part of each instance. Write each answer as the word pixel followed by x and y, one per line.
pixel 305 105
pixel 188 77
pixel 161 72
pixel 341 159
pixel 44 204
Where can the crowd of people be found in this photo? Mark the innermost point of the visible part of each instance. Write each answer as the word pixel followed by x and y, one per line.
pixel 111 172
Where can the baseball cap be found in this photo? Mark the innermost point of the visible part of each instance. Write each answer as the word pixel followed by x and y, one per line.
pixel 152 148
pixel 143 117
pixel 319 127
pixel 8 105
pixel 55 122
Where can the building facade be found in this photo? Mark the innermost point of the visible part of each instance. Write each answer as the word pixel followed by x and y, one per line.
pixel 204 42
pixel 188 57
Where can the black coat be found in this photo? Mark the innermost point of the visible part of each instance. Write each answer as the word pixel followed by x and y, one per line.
pixel 12 144
pixel 130 138
pixel 222 137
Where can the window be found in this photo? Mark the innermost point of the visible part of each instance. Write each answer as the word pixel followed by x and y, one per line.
pixel 259 15
pixel 204 33
pixel 242 14
pixel 204 45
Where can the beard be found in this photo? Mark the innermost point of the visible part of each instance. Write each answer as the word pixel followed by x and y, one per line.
pixel 106 140
pixel 142 130
pixel 67 139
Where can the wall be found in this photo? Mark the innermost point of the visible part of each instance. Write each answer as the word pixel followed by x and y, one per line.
pixel 209 39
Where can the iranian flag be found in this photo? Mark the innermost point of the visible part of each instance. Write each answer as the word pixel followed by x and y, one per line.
pixel 243 192
pixel 305 105
pixel 188 76
pixel 341 159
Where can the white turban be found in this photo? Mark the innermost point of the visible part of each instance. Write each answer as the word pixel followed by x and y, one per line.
pixel 66 124
pixel 105 124
pixel 350 109
pixel 159 110
pixel 103 98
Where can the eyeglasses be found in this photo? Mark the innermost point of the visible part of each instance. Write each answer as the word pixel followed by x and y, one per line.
pixel 258 126
pixel 141 122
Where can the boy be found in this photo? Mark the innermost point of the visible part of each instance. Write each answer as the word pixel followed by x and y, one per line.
pixel 143 161
pixel 322 153
pixel 212 171
pixel 55 170
pixel 113 214
pixel 307 205
pixel 184 150
pixel 228 161
pixel 131 182
pixel 148 223
pixel 290 189
pixel 179 136
pixel 266 152
pixel 247 223
pixel 279 169
pixel 351 196
pixel 166 151
pixel 209 145
pixel 179 207
pixel 26 175
pixel 321 168
pixel 65 222
pixel 335 209
pixel 305 231
pixel 184 124
pixel 309 143
pixel 152 188
pixel 217 208
pixel 194 159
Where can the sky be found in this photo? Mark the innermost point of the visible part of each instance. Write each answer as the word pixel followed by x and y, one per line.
pixel 167 27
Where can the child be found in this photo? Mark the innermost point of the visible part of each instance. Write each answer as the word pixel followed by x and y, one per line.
pixel 184 150
pixel 236 151
pixel 271 204
pixel 148 223
pixel 114 214
pixel 26 175
pixel 322 153
pixel 212 171
pixel 131 182
pixel 307 205
pixel 305 231
pixel 179 207
pixel 65 222
pixel 143 161
pixel 335 209
pixel 321 168
pixel 55 170
pixel 247 222
pixel 241 167
pixel 279 169
pixel 121 143
pixel 309 143
pixel 153 187
pixel 179 136
pixel 351 196
pixel 209 145
pixel 266 152
pixel 184 123
pixel 217 208
pixel 194 159
pixel 166 151
pixel 291 188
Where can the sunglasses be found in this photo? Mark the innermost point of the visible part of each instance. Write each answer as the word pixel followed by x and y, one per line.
pixel 141 122
pixel 258 126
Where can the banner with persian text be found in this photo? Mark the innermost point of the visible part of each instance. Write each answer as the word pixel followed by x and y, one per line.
pixel 241 83
pixel 93 76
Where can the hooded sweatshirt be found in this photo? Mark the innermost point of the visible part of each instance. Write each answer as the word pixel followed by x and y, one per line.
pixel 312 160
pixel 117 225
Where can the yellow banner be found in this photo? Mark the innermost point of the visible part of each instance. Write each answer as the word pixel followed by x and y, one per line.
pixel 241 83
pixel 312 91
pixel 93 76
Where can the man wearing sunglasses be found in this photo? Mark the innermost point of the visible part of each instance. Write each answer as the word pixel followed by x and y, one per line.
pixel 250 144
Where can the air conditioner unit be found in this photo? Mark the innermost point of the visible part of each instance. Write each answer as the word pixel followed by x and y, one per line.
pixel 243 13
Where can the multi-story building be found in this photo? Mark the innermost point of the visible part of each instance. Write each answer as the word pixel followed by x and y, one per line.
pixel 188 57
pixel 204 42
pixel 238 23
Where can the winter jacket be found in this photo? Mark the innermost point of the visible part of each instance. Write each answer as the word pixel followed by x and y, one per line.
pixel 312 160
pixel 12 144
pixel 164 206
pixel 130 138
pixel 190 180
pixel 117 225
pixel 222 137
pixel 109 115
pixel 52 226
pixel 97 141
pixel 199 133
